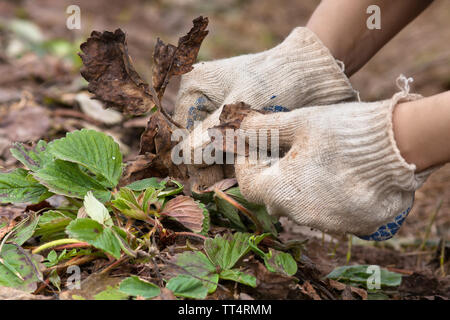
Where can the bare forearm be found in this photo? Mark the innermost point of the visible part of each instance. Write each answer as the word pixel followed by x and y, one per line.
pixel 341 25
pixel 422 130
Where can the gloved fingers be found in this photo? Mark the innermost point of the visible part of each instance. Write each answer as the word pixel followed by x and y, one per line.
pixel 192 107
pixel 274 130
pixel 254 178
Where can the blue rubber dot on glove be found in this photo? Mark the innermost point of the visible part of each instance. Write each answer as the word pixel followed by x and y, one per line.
pixel 388 230
pixel 194 112
pixel 276 109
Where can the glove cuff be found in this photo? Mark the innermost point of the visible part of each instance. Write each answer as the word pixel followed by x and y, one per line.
pixel 369 145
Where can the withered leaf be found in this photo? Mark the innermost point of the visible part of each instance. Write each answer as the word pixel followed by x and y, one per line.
pixel 170 60
pixel 113 80
pixel 233 114
pixel 186 211
pixel 307 289
pixel 231 117
pixel 157 136
pixel 156 143
pixel 221 185
pixel 137 169
pixel 33 121
pixel 165 294
pixel 7 293
pixel 111 75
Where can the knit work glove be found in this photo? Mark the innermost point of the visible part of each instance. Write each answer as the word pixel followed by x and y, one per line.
pixel 298 72
pixel 341 171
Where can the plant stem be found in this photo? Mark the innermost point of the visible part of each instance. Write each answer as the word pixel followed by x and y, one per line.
pixel 114 264
pixel 430 224
pixel 349 249
pixel 249 214
pixel 55 243
pixel 428 230
pixel 73 245
pixel 42 286
pixel 76 261
pixel 442 257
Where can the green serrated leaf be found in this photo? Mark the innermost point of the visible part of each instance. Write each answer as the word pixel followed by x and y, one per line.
pixel 143 184
pixel 127 203
pixel 34 158
pixel 171 191
pixel 206 219
pixel 196 263
pixel 149 197
pixel 18 268
pixel 18 186
pixel 238 276
pixel 52 257
pixel 111 293
pixel 97 210
pixel 187 287
pixel 94 150
pixel 281 262
pixel 95 234
pixel 266 220
pixel 226 251
pixel 25 230
pixel 121 236
pixel 52 224
pixel 230 212
pixel 134 286
pixel 205 197
pixel 55 279
pixel 66 178
pixel 359 275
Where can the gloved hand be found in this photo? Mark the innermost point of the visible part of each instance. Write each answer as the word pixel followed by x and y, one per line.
pixel 298 72
pixel 341 171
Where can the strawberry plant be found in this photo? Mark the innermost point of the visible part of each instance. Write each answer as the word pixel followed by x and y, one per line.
pixel 104 212
pixel 100 219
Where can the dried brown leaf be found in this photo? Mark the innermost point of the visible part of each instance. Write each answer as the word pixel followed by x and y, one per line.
pixel 113 80
pixel 7 293
pixel 361 292
pixel 137 169
pixel 347 293
pixel 231 117
pixel 170 60
pixel 8 216
pixel 111 75
pixel 186 211
pixel 89 287
pixel 309 290
pixel 165 294
pixel 221 185
pixel 156 141
pixel 270 285
pixel 25 124
pixel 346 290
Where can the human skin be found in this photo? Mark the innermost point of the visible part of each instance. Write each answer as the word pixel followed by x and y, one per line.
pixel 341 25
pixel 421 127
pixel 422 130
